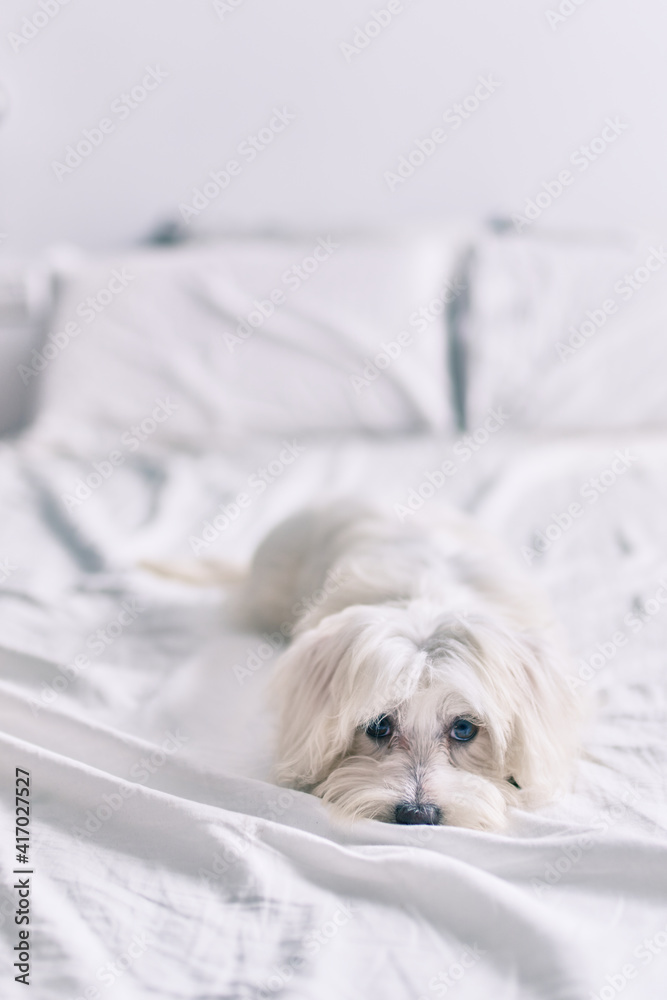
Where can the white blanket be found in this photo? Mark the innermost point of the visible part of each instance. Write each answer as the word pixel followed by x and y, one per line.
pixel 165 862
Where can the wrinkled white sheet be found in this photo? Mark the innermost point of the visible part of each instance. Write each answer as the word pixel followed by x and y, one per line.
pixel 165 862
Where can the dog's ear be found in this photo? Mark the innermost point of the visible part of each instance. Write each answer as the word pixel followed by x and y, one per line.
pixel 307 690
pixel 545 720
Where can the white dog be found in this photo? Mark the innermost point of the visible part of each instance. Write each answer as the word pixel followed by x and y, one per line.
pixel 423 683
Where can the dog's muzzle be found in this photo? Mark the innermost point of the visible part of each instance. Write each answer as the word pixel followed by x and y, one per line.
pixel 424 813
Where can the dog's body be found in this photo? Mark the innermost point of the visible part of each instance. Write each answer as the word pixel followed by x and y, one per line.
pixel 423 683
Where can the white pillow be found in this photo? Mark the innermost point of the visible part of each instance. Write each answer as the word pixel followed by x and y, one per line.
pixel 260 335
pixel 25 294
pixel 558 337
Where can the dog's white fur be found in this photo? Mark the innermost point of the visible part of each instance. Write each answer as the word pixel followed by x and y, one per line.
pixel 425 624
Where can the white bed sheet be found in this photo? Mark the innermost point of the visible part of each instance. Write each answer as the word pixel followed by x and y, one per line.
pixel 192 876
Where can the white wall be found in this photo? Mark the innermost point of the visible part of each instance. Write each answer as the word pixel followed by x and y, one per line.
pixel 353 119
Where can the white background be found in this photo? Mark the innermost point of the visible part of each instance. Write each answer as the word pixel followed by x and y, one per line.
pixel 353 118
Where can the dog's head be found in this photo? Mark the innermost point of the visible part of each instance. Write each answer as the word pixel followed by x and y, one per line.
pixel 406 715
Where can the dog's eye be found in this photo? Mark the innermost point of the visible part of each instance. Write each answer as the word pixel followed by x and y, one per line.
pixel 463 730
pixel 380 728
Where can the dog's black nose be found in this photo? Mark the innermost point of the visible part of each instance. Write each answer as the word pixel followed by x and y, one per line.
pixel 426 813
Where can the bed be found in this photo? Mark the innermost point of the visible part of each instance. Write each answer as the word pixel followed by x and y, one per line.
pixel 183 400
